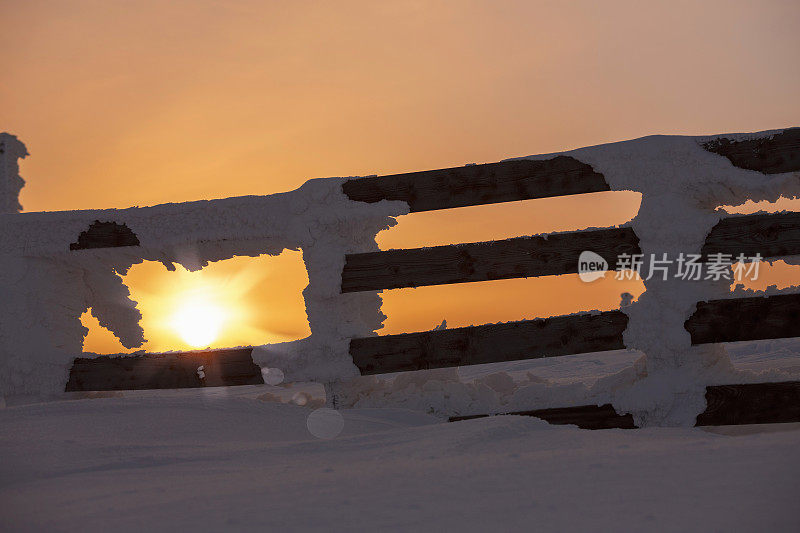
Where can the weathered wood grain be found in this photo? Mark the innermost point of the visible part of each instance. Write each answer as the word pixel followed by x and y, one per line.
pixel 771 154
pixel 583 416
pixel 751 403
pixel 745 319
pixel 105 235
pixel 771 235
pixel 512 258
pixel 164 371
pixel 489 183
pixel 490 343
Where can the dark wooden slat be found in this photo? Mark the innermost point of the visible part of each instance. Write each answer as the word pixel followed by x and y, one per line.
pixel 511 258
pixel 489 183
pixel 751 403
pixel 583 416
pixel 745 319
pixel 164 371
pixel 771 235
pixel 490 343
pixel 105 235
pixel 770 155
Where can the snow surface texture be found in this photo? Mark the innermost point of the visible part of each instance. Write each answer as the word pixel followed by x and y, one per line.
pixel 220 460
pixel 45 287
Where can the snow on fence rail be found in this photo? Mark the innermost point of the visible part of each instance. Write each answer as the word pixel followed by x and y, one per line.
pixel 334 221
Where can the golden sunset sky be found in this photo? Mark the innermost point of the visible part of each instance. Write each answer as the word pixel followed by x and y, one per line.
pixel 146 102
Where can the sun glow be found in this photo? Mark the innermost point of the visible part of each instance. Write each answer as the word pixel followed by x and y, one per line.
pixel 220 306
pixel 199 321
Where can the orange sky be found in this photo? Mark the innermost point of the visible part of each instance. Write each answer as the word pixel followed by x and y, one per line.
pixel 138 103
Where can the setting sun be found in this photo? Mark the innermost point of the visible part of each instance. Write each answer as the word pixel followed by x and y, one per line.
pixel 199 321
pixel 222 305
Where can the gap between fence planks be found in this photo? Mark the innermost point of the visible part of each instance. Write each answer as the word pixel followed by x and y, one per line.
pixel 488 183
pixel 165 371
pixel 771 235
pixel 750 403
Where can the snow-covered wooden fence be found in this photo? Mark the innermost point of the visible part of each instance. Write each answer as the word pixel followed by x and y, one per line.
pixel 715 321
pixel 334 222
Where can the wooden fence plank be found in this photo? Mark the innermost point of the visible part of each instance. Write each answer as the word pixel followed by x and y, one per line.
pixel 771 235
pixel 751 403
pixel 165 371
pixel 772 154
pixel 489 183
pixel 583 416
pixel 745 319
pixel 105 235
pixel 490 343
pixel 511 258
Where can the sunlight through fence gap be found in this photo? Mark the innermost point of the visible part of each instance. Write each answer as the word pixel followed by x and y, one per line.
pixel 236 302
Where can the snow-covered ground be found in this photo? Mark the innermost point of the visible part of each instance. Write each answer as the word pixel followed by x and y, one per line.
pixel 237 459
